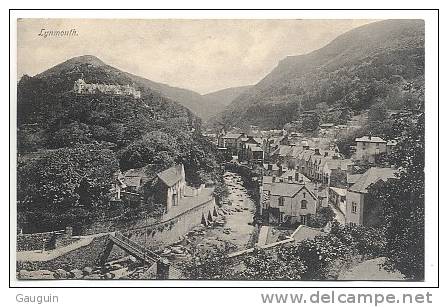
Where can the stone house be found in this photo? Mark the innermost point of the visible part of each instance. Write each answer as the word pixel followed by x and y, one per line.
pixel 290 203
pixel 361 209
pixel 368 147
pixel 171 186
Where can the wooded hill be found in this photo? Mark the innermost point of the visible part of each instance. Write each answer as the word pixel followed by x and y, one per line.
pixel 381 62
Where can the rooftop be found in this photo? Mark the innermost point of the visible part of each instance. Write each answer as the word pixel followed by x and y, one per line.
pixel 172 175
pixel 370 139
pixel 232 136
pixel 289 189
pixel 370 177
pixel 341 192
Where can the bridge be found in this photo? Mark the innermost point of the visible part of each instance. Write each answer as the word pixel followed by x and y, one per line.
pixel 138 251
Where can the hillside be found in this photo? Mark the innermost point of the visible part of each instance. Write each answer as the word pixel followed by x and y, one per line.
pixel 382 62
pixel 70 145
pixel 203 106
pixel 52 116
pixel 219 100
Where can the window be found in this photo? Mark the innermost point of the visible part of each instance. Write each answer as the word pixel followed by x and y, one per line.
pixel 304 195
pixel 303 219
pixel 303 204
pixel 281 201
pixel 354 207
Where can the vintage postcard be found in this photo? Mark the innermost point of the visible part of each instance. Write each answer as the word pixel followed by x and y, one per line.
pixel 222 150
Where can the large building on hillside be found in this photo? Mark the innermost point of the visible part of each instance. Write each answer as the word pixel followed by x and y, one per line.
pixel 81 87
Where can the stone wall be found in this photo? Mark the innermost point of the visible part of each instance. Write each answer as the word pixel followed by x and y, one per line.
pixel 47 240
pixel 172 230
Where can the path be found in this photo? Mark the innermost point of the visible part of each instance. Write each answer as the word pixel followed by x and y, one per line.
pixel 38 255
pixel 370 270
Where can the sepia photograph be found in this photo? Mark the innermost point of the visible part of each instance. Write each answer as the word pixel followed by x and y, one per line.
pixel 220 150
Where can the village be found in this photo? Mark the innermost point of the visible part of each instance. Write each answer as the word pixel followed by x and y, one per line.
pixel 299 175
pixel 283 187
pixel 315 172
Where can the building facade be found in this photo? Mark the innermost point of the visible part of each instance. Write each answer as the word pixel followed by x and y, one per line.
pixel 81 87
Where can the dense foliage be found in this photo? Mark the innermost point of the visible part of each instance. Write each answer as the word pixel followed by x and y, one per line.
pixel 53 121
pixel 64 186
pixel 403 201
pixel 313 259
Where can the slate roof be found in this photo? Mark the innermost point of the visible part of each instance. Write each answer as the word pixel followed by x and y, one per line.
pixel 255 148
pixel 353 178
pixel 231 136
pixel 134 181
pixel 339 191
pixel 373 139
pixel 289 189
pixel 335 163
pixel 370 177
pixel 172 175
pixel 138 176
pixel 285 189
pixel 282 150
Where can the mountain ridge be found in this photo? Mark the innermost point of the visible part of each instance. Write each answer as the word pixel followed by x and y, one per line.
pixel 204 106
pixel 372 53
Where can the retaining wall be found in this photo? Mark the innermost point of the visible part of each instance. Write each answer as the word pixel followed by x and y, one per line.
pixel 172 230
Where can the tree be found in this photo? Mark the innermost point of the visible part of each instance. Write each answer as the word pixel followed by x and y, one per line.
pixel 377 112
pixel 265 265
pixel 50 187
pixel 322 217
pixel 210 264
pixel 403 201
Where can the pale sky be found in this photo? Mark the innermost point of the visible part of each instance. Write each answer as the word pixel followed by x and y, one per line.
pixel 200 55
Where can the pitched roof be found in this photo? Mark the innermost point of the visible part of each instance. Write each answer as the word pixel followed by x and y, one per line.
pixel 138 176
pixel 285 189
pixel 172 175
pixel 337 163
pixel 353 178
pixel 255 148
pixel 339 191
pixel 296 150
pixel 231 135
pixel 372 139
pixel 133 181
pixel 282 150
pixel 289 189
pixel 370 177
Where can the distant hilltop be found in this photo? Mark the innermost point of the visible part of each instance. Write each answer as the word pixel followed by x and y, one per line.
pixel 81 87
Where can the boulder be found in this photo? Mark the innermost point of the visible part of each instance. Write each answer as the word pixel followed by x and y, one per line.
pixel 39 274
pixel 61 274
pixel 109 276
pixel 87 271
pixel 76 274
